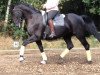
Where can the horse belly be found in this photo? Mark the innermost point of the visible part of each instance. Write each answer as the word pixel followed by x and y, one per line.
pixel 60 30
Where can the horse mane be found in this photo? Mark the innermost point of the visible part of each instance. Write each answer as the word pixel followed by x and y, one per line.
pixel 31 7
pixel 26 6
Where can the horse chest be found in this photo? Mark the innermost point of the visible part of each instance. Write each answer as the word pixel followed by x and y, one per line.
pixel 30 29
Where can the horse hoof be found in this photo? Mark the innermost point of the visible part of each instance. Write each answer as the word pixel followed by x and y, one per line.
pixel 89 62
pixel 21 59
pixel 43 62
pixel 61 60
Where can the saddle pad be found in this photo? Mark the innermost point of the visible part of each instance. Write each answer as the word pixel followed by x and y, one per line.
pixel 59 20
pixel 44 17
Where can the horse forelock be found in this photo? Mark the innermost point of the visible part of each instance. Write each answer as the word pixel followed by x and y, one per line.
pixel 11 8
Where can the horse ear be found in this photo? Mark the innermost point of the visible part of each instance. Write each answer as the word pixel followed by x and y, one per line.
pixel 12 7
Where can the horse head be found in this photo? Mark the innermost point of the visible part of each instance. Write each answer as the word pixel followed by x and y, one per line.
pixel 21 11
pixel 16 14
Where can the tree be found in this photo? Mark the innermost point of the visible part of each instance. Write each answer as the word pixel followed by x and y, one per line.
pixel 7 13
pixel 93 6
pixel 72 6
pixel 3 4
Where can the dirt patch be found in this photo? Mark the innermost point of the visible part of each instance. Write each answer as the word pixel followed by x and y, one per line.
pixel 74 64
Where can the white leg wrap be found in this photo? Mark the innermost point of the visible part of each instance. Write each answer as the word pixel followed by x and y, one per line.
pixel 44 56
pixel 88 55
pixel 66 51
pixel 22 49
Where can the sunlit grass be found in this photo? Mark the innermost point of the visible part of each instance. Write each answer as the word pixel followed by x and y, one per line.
pixel 7 43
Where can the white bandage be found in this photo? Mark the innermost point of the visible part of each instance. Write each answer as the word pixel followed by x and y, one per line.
pixel 88 55
pixel 66 51
pixel 22 49
pixel 44 56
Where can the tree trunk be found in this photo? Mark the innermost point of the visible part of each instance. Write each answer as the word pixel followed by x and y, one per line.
pixel 7 13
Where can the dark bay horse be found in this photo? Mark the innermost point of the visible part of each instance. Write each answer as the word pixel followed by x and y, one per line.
pixel 73 25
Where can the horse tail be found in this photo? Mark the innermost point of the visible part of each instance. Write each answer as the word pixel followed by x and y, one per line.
pixel 90 27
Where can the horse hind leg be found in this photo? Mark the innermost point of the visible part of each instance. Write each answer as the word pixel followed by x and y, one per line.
pixel 66 51
pixel 87 47
pixel 69 46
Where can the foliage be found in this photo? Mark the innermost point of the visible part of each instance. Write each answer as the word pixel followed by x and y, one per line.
pixel 93 6
pixel 3 4
pixel 13 31
pixel 72 6
pixel 36 3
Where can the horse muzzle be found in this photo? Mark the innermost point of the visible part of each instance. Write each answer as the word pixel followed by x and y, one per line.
pixel 18 25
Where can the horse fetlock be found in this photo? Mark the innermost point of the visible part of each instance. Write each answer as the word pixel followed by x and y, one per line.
pixel 44 57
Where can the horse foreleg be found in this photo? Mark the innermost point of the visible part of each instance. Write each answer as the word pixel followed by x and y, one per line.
pixel 22 49
pixel 44 57
pixel 21 53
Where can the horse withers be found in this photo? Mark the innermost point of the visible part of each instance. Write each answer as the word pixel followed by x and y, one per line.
pixel 73 25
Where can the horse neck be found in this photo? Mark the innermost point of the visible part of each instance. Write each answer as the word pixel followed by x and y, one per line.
pixel 29 9
pixel 28 12
pixel 30 17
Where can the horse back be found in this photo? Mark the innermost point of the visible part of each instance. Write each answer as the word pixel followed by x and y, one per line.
pixel 75 23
